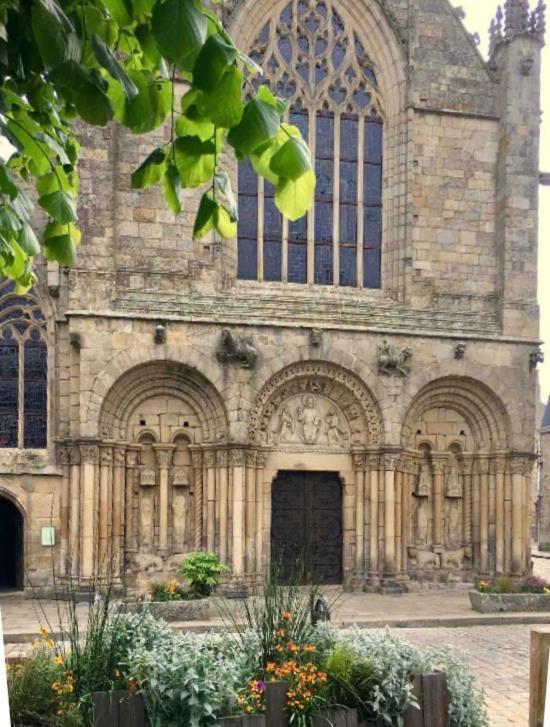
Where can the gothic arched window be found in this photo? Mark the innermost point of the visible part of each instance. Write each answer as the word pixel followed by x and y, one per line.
pixel 23 370
pixel 314 60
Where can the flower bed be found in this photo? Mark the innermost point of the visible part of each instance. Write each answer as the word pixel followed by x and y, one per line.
pixel 193 610
pixel 505 594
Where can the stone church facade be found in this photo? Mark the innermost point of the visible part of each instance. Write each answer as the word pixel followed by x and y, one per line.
pixel 358 388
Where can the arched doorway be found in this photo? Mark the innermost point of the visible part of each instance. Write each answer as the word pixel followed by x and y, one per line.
pixel 11 546
pixel 306 527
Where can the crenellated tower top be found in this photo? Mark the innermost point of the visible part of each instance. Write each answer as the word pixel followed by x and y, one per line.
pixel 517 18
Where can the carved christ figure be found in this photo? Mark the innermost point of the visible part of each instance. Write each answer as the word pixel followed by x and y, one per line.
pixel 285 426
pixel 334 431
pixel 453 480
pixel 424 482
pixel 421 521
pixel 309 418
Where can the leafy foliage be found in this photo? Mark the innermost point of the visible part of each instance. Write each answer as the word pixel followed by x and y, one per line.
pixel 203 572
pixel 121 60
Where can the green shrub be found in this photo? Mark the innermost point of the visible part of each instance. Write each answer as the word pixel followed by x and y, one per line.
pixel 350 681
pixel 170 591
pixel 505 584
pixel 203 572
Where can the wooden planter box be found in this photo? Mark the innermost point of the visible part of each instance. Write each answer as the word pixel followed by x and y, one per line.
pixel 119 709
pixel 509 602
pixel 198 610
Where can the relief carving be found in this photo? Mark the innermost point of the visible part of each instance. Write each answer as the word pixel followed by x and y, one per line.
pixel 180 476
pixel 393 361
pixel 310 420
pixel 147 476
pixel 179 520
pixel 453 477
pixel 234 349
pixel 146 522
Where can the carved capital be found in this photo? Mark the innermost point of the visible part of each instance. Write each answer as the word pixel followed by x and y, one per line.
pixel 221 458
pixel 209 458
pixel 180 476
pixel 63 455
pixel 467 466
pixel 483 465
pixel 119 456
pixel 106 456
pixel 261 458
pixel 359 459
pixel 438 466
pixel 89 453
pixel 250 457
pixel 500 465
pixel 132 456
pixel 236 457
pixel 389 460
pixel 520 465
pixel 164 454
pixel 196 458
pixel 372 461
pixel 74 454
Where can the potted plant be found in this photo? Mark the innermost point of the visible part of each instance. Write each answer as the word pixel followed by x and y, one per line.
pixel 506 594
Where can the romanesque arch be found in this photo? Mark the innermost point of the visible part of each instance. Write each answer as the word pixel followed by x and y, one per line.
pixel 462 486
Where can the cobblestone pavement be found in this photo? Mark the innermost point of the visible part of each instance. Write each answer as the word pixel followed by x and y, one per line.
pixel 499 658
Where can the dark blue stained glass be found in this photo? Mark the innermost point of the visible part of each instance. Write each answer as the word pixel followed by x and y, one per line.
pixel 348 264
pixel 372 227
pixel 372 184
pixel 323 265
pixel 272 260
pixel 348 182
pixel 371 268
pixel 248 179
pixel 248 216
pixel 324 169
pixel 325 135
pixel 348 223
pixel 297 262
pixel 373 142
pixel 273 221
pixel 300 119
pixel 35 393
pixel 9 390
pixel 323 223
pixel 247 265
pixel 285 48
pixel 348 138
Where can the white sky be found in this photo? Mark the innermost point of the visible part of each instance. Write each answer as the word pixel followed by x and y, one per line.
pixel 478 17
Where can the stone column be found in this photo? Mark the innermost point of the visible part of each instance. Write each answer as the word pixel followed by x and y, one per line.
pixel 250 511
pixel 89 452
pixel 196 461
pixel 508 517
pixel 358 580
pixel 500 468
pixel 164 454
pixel 261 459
pixel 221 460
pixel 399 476
pixel 117 527
pixel 483 465
pixel 467 509
pixel 389 462
pixel 209 459
pixel 63 460
pixel 105 501
pixel 236 460
pixel 74 510
pixel 518 495
pixel 130 530
pixel 409 470
pixel 373 461
pixel 438 509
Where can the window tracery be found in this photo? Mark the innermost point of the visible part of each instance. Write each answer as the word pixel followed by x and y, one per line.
pixel 312 58
pixel 23 370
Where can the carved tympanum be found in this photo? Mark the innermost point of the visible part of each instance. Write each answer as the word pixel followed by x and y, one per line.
pixel 310 420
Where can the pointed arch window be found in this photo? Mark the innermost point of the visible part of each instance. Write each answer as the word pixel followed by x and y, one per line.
pixel 23 370
pixel 313 59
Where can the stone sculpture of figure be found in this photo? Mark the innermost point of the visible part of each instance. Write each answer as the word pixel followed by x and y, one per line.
pixel 285 426
pixel 453 480
pixel 309 418
pixel 334 431
pixel 394 362
pixel 146 522
pixel 179 516
pixel 424 481
pixel 452 524
pixel 421 521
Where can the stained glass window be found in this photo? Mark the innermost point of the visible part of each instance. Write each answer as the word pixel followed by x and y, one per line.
pixel 313 59
pixel 23 370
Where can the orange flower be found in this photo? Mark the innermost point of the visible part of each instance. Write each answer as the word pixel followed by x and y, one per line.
pixel 294 648
pixel 281 633
pixel 279 648
pixel 286 615
pixel 116 673
pixel 309 648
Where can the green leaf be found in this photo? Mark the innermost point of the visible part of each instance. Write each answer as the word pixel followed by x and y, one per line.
pixel 28 242
pixel 107 59
pixel 171 188
pixel 265 94
pixel 29 145
pixel 50 37
pixel 6 183
pixel 294 197
pixel 56 229
pixel 223 223
pixel 61 249
pixel 57 14
pixel 180 30
pixel 259 123
pixel 261 159
pixel 150 171
pixel 193 124
pixel 249 64
pixel 54 181
pixel 59 205
pixel 212 62
pixel 9 221
pixel 86 90
pixel 17 266
pixel 120 11
pixel 149 108
pixel 195 160
pixel 204 221
pixel 292 160
pixel 224 106
pixel 142 8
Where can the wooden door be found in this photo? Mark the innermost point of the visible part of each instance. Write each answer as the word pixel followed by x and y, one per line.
pixel 306 526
